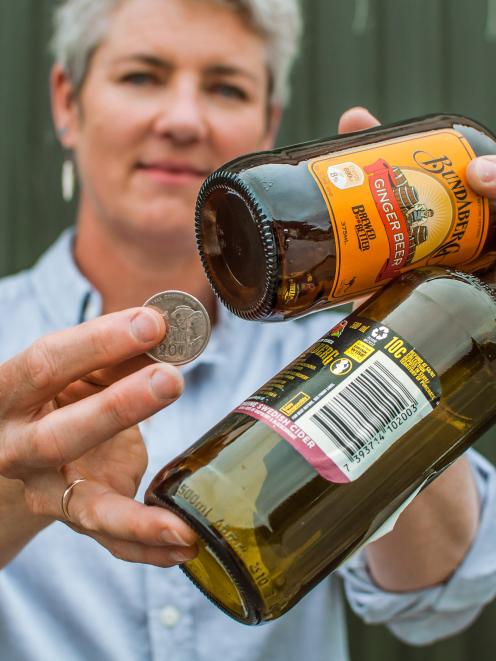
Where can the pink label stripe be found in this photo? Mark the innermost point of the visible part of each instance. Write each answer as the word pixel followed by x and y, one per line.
pixel 296 437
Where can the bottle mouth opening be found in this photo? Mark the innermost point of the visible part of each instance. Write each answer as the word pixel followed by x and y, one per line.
pixel 211 576
pixel 210 569
pixel 237 248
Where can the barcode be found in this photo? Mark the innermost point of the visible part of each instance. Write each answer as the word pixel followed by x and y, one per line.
pixel 362 410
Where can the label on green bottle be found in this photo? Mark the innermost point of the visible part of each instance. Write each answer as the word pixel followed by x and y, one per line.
pixel 348 398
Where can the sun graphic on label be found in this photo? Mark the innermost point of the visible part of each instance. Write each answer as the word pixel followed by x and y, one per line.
pixel 427 209
pixel 416 210
pixel 341 366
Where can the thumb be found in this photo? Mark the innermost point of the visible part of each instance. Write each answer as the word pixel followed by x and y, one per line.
pixel 356 119
pixel 481 175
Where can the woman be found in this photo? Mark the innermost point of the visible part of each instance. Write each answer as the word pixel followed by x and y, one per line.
pixel 151 96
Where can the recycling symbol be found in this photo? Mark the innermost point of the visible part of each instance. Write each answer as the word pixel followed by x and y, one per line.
pixel 380 333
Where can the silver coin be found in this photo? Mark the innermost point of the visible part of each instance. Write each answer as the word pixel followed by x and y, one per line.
pixel 188 327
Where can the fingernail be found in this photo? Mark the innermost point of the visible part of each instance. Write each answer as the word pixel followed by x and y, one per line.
pixel 485 169
pixel 173 537
pixel 145 326
pixel 166 382
pixel 182 556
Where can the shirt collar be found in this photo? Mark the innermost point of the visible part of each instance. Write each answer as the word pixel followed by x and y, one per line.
pixel 67 297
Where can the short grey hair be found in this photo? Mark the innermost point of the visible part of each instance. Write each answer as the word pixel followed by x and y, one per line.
pixel 80 27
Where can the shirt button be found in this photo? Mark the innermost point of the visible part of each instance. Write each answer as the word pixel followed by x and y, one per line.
pixel 169 616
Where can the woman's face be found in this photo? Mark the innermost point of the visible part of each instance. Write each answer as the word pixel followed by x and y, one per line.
pixel 177 88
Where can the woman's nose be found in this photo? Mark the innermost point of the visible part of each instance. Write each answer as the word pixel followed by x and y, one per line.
pixel 181 117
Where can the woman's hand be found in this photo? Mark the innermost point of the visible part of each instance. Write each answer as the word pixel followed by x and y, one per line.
pixel 356 119
pixel 481 175
pixel 69 405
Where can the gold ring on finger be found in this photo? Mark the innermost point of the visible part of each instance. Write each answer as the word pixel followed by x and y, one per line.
pixel 66 497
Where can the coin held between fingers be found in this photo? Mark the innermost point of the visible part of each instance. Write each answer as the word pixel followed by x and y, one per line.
pixel 188 327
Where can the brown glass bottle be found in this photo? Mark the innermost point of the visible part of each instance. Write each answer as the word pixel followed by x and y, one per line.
pixel 287 486
pixel 287 232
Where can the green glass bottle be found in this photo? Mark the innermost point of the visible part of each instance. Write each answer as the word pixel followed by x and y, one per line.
pixel 300 475
pixel 301 228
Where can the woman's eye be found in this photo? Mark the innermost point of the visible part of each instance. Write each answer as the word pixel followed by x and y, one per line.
pixel 229 91
pixel 140 78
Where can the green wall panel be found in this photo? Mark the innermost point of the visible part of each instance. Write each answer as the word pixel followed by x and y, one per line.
pixel 31 211
pixel 400 58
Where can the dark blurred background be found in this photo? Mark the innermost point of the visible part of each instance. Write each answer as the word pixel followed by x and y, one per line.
pixel 400 58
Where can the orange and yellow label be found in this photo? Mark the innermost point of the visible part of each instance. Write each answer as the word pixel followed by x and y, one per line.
pixel 399 205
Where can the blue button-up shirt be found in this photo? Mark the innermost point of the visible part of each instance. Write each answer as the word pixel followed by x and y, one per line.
pixel 66 598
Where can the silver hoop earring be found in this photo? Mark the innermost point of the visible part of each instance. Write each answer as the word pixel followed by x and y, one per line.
pixel 68 180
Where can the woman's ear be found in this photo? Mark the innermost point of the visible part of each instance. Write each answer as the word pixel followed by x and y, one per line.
pixel 64 106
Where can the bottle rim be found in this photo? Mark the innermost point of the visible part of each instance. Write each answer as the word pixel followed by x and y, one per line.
pixel 249 597
pixel 261 304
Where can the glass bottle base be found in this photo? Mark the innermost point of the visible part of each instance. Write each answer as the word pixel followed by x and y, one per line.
pixel 216 570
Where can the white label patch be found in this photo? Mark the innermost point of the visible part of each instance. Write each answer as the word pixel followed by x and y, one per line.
pixel 363 416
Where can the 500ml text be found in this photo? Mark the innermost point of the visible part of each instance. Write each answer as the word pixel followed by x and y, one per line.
pixel 193 499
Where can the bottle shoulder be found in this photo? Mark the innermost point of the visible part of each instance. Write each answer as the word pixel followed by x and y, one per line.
pixel 480 137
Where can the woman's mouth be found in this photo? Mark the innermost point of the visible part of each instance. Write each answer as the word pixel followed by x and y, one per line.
pixel 172 173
